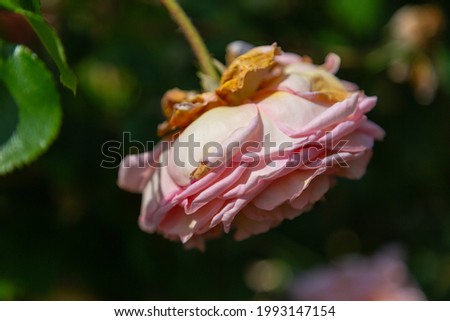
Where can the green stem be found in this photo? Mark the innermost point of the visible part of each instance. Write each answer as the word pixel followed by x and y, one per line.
pixel 192 36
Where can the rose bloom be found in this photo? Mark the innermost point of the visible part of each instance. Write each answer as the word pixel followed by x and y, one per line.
pixel 262 147
pixel 383 277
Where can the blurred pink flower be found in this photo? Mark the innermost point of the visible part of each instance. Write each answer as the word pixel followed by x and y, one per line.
pixel 412 53
pixel 383 277
pixel 280 128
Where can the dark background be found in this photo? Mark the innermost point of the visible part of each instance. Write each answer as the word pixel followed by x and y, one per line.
pixel 68 232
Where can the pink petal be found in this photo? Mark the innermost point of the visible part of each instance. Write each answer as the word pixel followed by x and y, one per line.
pixel 287 58
pixel 176 222
pixel 290 113
pixel 366 104
pixel 135 170
pixel 222 125
pixel 332 63
pixel 254 176
pixel 285 188
pixel 372 129
pixel 246 227
pixel 293 83
pixel 332 115
pixel 314 192
pixel 230 176
pixel 157 197
pixel 357 166
pixel 199 185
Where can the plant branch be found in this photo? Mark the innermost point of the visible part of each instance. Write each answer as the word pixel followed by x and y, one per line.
pixel 193 37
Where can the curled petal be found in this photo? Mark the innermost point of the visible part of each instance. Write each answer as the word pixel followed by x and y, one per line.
pixel 136 170
pixel 296 113
pixel 332 63
pixel 157 197
pixel 229 178
pixel 315 191
pixel 176 222
pixel 246 72
pixel 246 227
pixel 331 116
pixel 285 188
pixel 210 139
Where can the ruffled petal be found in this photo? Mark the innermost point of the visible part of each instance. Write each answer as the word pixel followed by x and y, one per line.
pixel 136 170
pixel 229 177
pixel 157 197
pixel 332 63
pixel 290 113
pixel 208 139
pixel 314 192
pixel 356 166
pixel 176 222
pixel 331 116
pixel 246 227
pixel 285 188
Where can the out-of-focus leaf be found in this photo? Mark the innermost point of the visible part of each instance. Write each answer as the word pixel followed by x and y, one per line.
pixel 48 37
pixel 108 85
pixel 360 17
pixel 34 92
pixel 7 290
pixel 443 67
pixel 37 6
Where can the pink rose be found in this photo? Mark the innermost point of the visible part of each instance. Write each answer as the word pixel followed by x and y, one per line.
pixel 383 277
pixel 263 147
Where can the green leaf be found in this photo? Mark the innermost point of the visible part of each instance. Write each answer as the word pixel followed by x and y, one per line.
pixel 33 90
pixel 48 37
pixel 37 6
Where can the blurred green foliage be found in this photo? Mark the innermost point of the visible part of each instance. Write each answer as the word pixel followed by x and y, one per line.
pixel 68 232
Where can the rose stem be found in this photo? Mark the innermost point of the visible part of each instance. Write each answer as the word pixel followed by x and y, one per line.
pixel 192 36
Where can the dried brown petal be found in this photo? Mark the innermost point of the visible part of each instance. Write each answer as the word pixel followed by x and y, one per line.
pixel 246 72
